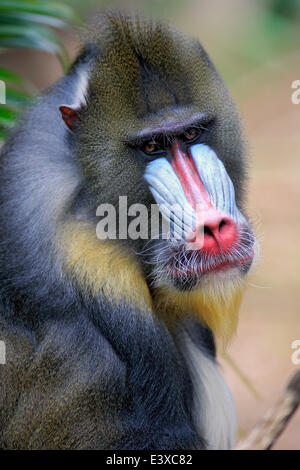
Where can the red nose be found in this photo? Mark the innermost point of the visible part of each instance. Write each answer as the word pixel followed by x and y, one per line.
pixel 214 232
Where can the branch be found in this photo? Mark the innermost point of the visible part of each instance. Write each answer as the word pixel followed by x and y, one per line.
pixel 265 434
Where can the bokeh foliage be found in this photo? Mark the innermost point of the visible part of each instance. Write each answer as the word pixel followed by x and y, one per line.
pixel 270 33
pixel 29 24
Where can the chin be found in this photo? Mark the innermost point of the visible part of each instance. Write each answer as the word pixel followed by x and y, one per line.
pixel 221 274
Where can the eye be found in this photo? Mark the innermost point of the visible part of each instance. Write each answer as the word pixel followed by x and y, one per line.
pixel 151 147
pixel 191 134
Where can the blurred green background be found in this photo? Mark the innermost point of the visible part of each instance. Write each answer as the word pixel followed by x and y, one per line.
pixel 255 44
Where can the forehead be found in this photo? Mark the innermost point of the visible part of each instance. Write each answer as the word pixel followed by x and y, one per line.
pixel 146 67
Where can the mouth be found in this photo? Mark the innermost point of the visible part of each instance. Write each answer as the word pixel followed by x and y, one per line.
pixel 186 269
pixel 188 276
pixel 201 268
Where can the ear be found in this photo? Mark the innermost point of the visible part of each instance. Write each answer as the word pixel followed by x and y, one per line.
pixel 70 114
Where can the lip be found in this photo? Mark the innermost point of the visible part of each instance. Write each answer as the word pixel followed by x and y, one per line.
pixel 212 268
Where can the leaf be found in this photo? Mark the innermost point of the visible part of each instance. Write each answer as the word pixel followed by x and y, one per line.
pixel 27 18
pixel 2 133
pixel 35 32
pixel 27 23
pixel 8 116
pixel 16 98
pixel 36 37
pixel 9 76
pixel 52 9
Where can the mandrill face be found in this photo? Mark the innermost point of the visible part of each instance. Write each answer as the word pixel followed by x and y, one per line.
pixel 200 266
pixel 206 246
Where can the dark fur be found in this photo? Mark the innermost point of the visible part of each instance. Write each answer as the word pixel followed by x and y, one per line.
pixel 83 372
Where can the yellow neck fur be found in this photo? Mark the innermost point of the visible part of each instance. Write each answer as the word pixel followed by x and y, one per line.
pixel 105 267
pixel 216 304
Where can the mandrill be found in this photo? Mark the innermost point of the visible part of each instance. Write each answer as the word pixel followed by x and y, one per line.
pixel 110 340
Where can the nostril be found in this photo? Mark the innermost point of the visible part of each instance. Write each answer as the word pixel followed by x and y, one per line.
pixel 213 228
pixel 207 231
pixel 222 224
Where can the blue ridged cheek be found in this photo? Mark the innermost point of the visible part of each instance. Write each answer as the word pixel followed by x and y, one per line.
pixel 169 195
pixel 216 181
